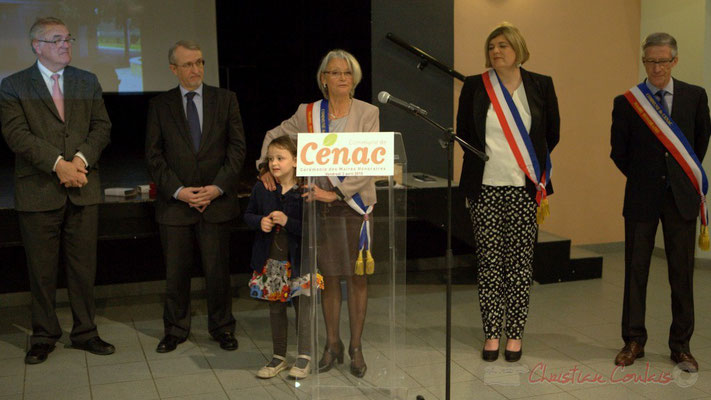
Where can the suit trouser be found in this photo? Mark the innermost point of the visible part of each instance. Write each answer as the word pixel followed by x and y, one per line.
pixel 679 241
pixel 74 228
pixel 179 252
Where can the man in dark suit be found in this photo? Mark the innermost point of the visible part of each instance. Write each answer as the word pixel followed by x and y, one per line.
pixel 195 149
pixel 54 120
pixel 658 189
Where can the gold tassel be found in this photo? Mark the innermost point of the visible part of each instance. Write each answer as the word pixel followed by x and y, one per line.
pixel 359 263
pixel 543 211
pixel 369 263
pixel 704 238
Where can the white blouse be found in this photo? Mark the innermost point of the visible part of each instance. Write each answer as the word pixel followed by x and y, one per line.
pixel 502 168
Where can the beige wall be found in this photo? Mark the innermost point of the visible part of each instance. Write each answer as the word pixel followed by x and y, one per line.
pixel 591 49
pixel 683 19
pixel 688 21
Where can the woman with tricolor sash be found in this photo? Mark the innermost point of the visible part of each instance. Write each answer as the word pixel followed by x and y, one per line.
pixel 344 204
pixel 512 115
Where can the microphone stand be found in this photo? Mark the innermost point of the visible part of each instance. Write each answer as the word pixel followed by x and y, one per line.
pixel 447 142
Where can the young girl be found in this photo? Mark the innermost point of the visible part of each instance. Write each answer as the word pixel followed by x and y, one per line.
pixel 276 215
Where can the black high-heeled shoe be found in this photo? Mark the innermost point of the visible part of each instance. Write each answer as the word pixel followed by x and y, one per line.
pixel 330 357
pixel 357 371
pixel 489 355
pixel 513 356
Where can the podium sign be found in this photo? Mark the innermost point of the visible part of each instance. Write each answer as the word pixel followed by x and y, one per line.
pixel 345 154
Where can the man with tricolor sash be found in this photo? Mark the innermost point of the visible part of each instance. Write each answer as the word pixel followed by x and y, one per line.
pixel 660 132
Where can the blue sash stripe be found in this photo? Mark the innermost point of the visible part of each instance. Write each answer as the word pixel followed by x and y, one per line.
pixel 363 240
pixel 356 197
pixel 677 132
pixel 324 116
pixel 522 129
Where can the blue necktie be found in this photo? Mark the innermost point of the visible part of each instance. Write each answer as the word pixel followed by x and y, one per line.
pixel 193 120
pixel 663 104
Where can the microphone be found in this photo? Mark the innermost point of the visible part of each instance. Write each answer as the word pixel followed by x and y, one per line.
pixel 385 97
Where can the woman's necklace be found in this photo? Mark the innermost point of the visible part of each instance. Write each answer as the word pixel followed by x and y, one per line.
pixel 336 115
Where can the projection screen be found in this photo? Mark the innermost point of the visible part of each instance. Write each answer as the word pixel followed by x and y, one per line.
pixel 124 42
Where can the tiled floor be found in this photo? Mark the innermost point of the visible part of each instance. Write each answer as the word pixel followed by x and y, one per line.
pixel 573 331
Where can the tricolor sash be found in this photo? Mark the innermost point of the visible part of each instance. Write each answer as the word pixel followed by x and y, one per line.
pixel 519 140
pixel 318 123
pixel 667 131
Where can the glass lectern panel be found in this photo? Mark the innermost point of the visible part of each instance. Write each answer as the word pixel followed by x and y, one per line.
pixel 362 261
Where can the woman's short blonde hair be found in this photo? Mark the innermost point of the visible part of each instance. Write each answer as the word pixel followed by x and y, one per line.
pixel 514 37
pixel 352 64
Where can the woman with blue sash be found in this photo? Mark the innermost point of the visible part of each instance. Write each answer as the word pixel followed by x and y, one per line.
pixel 512 115
pixel 344 205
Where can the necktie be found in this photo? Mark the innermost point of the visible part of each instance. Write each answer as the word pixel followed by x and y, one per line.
pixel 193 120
pixel 57 96
pixel 663 104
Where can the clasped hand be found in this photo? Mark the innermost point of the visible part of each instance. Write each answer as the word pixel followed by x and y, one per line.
pixel 199 197
pixel 274 218
pixel 72 174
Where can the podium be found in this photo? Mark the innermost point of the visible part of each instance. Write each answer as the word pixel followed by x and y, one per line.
pixel 327 230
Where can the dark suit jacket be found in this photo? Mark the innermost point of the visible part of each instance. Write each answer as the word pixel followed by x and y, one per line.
pixel 173 162
pixel 471 122
pixel 645 162
pixel 261 203
pixel 35 133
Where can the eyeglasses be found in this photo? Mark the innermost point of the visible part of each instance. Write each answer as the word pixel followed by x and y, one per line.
pixel 338 74
pixel 664 63
pixel 189 65
pixel 58 42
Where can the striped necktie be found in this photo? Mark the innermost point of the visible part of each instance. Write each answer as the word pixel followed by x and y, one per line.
pixel 57 96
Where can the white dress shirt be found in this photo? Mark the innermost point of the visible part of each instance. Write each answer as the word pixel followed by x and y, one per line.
pixel 502 168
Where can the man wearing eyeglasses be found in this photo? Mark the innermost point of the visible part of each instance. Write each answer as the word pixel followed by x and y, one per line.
pixel 195 150
pixel 660 132
pixel 54 120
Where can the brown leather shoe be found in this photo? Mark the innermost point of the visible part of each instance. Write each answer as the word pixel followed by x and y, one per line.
pixel 629 353
pixel 685 361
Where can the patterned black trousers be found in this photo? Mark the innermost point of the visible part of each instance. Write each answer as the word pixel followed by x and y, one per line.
pixel 504 220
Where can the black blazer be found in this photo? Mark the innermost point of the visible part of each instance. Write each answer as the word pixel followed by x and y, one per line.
pixel 173 162
pixel 37 135
pixel 644 160
pixel 471 122
pixel 261 203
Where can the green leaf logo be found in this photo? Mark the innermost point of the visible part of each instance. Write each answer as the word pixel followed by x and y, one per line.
pixel 330 139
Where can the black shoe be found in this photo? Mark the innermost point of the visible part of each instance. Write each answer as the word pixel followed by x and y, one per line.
pixel 512 356
pixel 169 343
pixel 95 346
pixel 357 370
pixel 331 357
pixel 38 353
pixel 227 341
pixel 489 355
